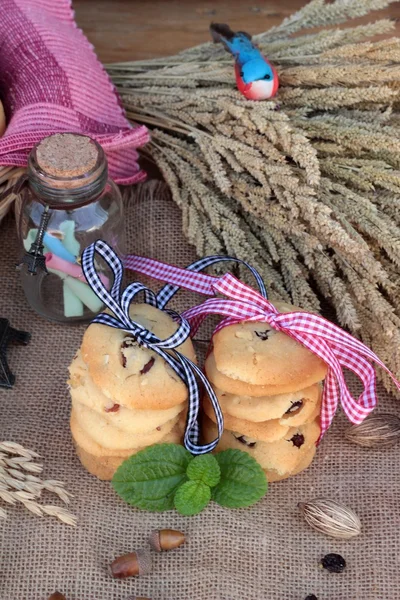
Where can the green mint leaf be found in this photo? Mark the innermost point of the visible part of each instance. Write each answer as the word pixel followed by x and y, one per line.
pixel 243 482
pixel 150 478
pixel 204 468
pixel 191 497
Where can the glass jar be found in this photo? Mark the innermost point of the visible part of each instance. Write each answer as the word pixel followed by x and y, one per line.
pixel 67 204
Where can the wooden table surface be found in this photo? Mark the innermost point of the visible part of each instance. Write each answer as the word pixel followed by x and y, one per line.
pixel 123 30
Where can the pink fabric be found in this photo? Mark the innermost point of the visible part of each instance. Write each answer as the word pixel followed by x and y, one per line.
pixel 51 81
pixel 334 346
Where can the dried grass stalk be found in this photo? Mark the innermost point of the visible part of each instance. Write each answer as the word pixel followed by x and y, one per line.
pixel 18 485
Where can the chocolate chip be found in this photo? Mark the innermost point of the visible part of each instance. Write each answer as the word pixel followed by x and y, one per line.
pixel 296 406
pixel 114 408
pixel 148 366
pixel 297 440
pixel 243 440
pixel 263 335
pixel 334 563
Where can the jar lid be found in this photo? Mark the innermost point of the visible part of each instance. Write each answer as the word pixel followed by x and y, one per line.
pixel 67 168
pixel 66 155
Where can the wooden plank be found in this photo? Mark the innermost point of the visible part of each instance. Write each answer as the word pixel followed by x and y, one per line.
pixel 124 30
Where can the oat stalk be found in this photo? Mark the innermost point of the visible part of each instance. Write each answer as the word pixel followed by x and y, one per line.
pixel 19 485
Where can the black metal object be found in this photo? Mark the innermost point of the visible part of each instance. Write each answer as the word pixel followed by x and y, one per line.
pixel 8 335
pixel 35 258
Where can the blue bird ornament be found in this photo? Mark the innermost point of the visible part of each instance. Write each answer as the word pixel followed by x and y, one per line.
pixel 256 78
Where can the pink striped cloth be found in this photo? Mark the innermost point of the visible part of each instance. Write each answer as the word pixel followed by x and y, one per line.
pixel 51 81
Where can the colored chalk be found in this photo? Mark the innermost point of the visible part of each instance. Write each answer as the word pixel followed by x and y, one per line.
pixel 80 289
pixel 85 293
pixel 70 242
pixel 56 247
pixel 73 306
pixel 57 263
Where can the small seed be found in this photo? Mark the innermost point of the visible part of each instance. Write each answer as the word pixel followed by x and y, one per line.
pixel 132 564
pixel 331 518
pixel 376 431
pixel 57 596
pixel 334 563
pixel 166 539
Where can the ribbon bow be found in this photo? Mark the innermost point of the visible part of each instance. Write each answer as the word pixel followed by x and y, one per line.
pixel 119 305
pixel 334 346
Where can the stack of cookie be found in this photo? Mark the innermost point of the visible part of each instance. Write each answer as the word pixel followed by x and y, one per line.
pixel 269 387
pixel 125 397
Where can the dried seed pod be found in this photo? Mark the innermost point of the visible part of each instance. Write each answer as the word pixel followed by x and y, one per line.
pixel 377 431
pixel 331 518
pixel 57 596
pixel 166 539
pixel 132 564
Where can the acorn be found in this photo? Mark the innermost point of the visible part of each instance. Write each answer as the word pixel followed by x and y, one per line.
pixel 57 596
pixel 166 539
pixel 132 564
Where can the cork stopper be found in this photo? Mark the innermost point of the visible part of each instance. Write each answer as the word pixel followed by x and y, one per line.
pixel 66 155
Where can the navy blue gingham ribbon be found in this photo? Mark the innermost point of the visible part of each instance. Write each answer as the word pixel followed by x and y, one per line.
pixel 119 305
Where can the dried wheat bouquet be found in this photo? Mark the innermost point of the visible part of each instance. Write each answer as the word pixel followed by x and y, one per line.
pixel 305 187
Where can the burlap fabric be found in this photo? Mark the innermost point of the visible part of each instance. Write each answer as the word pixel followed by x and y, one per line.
pixel 263 553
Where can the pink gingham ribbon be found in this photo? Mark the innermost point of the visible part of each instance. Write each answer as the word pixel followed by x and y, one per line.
pixel 334 346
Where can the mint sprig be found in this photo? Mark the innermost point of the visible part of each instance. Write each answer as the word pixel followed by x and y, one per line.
pixel 166 475
pixel 150 478
pixel 243 481
pixel 191 497
pixel 204 468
